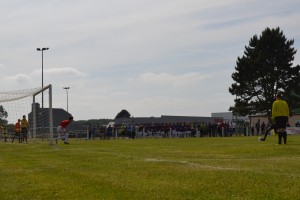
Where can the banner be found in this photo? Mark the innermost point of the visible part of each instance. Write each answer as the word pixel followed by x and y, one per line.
pixel 293 130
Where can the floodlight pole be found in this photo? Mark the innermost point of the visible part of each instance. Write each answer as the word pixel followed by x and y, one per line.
pixel 67 88
pixel 42 50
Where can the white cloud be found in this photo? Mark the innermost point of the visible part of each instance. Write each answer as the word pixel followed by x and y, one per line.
pixel 19 78
pixel 160 79
pixel 65 71
pixel 2 67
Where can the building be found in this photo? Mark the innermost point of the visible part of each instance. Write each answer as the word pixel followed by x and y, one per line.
pixel 228 116
pixel 42 116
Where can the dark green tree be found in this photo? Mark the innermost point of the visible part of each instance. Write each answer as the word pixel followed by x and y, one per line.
pixel 123 114
pixel 3 116
pixel 265 69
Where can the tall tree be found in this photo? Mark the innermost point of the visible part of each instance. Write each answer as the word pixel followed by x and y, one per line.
pixel 123 114
pixel 3 116
pixel 265 69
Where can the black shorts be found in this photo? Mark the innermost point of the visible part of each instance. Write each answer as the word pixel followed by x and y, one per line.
pixel 24 130
pixel 281 121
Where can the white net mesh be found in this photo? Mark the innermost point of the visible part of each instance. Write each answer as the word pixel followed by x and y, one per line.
pixel 21 102
pixel 17 94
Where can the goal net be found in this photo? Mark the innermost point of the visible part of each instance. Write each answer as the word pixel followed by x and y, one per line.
pixel 35 104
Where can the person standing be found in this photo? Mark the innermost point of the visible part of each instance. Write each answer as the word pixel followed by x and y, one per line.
pixel 123 130
pixel 252 129
pixel 94 132
pixel 62 130
pixel 24 129
pixel 109 131
pixel 102 131
pixel 90 131
pixel 280 115
pixel 17 131
pixel 263 128
pixel 257 126
pixel 3 133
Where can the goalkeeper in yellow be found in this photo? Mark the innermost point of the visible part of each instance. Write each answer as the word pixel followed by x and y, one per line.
pixel 280 115
pixel 24 129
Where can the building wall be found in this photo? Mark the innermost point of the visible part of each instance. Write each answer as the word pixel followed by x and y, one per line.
pixel 42 119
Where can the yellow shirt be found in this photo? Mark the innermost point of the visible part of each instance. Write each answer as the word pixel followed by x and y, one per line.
pixel 24 123
pixel 280 108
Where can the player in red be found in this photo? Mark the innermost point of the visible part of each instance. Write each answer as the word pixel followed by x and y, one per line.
pixel 17 131
pixel 62 130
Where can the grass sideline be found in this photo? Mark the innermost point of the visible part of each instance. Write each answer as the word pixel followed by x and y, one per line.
pixel 181 168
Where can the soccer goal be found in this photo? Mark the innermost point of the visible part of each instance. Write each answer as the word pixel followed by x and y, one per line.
pixel 35 104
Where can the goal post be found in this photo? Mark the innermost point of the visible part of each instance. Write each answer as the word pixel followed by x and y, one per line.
pixel 34 111
pixel 15 104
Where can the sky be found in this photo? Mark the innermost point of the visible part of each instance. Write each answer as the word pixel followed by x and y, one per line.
pixel 150 57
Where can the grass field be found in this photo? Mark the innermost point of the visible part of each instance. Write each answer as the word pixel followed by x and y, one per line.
pixel 181 168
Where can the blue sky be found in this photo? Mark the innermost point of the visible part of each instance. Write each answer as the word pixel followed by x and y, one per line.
pixel 150 57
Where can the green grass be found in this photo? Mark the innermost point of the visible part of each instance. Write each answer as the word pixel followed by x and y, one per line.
pixel 182 168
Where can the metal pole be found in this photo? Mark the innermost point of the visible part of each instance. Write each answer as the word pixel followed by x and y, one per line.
pixel 34 119
pixel 67 88
pixel 67 101
pixel 42 50
pixel 42 78
pixel 50 115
